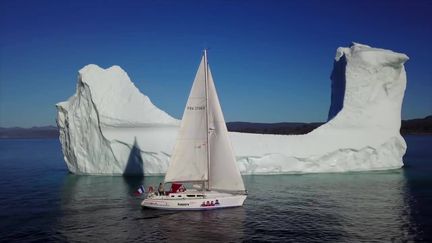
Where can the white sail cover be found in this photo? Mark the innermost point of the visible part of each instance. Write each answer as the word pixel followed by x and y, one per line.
pixel 189 160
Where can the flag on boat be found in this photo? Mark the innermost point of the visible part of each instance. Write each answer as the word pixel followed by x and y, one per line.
pixel 140 190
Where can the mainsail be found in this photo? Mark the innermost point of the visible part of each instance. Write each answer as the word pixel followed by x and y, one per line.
pixel 203 150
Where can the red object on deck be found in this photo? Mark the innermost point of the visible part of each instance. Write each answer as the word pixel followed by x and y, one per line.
pixel 175 187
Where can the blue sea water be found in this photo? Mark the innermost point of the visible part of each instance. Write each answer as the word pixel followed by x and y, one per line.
pixel 41 202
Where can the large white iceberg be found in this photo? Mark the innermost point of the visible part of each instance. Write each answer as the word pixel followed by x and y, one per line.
pixel 109 127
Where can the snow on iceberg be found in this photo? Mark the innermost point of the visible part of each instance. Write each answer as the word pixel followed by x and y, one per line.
pixel 109 127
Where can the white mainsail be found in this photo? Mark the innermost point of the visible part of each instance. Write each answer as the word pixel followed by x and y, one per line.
pixel 203 150
pixel 189 159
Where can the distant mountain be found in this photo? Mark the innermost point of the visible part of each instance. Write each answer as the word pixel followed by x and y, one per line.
pixel 414 126
pixel 34 132
pixel 273 128
pixel 417 126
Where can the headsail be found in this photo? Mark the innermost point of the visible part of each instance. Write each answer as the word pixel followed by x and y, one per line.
pixel 224 174
pixel 194 159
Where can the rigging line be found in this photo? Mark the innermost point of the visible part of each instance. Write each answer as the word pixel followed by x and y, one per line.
pixel 207 117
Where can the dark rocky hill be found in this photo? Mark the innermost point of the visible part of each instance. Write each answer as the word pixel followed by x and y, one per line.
pixel 414 126
pixel 34 132
pixel 417 126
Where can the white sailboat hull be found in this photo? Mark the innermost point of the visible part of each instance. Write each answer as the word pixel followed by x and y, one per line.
pixel 194 201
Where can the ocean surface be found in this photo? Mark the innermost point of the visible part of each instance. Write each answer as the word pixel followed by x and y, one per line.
pixel 41 202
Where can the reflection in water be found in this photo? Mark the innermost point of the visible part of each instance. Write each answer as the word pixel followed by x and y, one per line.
pixel 351 207
pixel 315 207
pixel 104 208
pixel 329 207
pixel 214 225
pixel 96 208
pixel 417 202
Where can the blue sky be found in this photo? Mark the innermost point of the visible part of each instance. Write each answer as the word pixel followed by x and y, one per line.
pixel 271 60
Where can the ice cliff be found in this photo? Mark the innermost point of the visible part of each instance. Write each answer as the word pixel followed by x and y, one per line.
pixel 109 127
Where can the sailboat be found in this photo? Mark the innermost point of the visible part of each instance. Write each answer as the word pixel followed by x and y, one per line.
pixel 203 158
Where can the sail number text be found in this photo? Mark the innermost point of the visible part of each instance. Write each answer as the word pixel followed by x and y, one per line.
pixel 195 108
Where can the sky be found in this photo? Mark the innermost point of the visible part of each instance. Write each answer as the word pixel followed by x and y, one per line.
pixel 271 59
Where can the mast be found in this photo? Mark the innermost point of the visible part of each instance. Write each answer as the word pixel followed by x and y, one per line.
pixel 207 117
pixel 202 115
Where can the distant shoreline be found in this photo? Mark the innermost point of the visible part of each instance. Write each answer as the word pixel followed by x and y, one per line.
pixel 421 126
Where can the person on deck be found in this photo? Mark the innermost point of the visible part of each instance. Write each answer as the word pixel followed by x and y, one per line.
pixel 182 188
pixel 161 190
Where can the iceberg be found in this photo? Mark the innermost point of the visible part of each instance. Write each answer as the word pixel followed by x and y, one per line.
pixel 108 127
